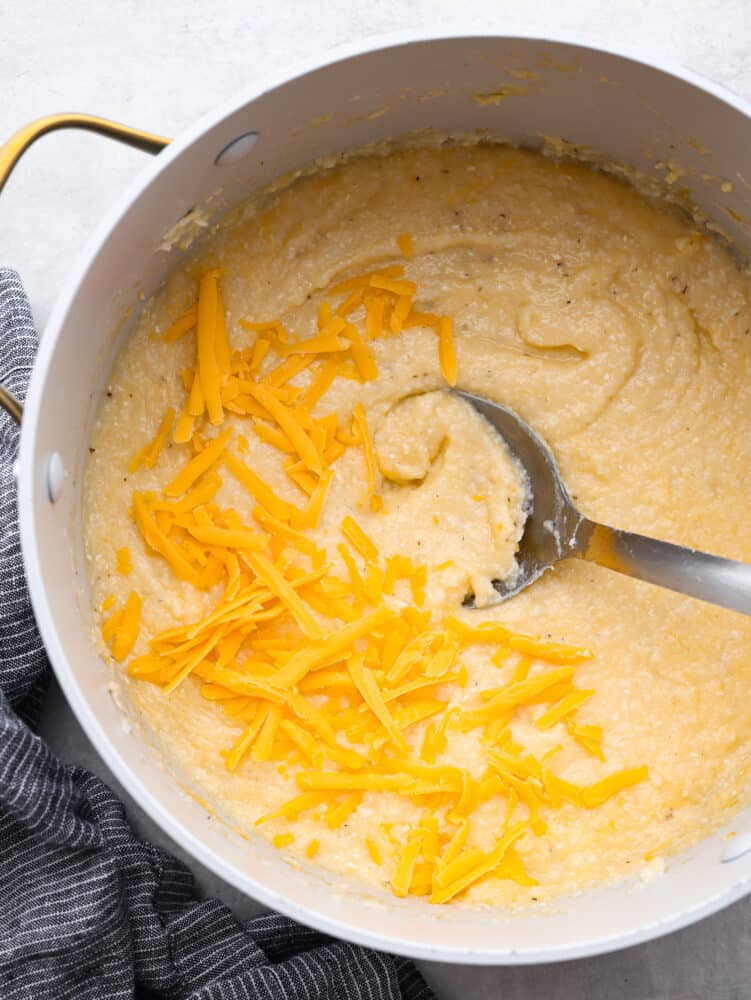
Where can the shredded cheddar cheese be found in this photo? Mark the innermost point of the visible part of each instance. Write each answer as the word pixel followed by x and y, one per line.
pixel 358 539
pixel 406 244
pixel 264 494
pixel 291 424
pixel 358 415
pixel 184 324
pixel 124 561
pixel 342 681
pixel 197 466
pixel 446 349
pixel 149 454
pixel 120 630
pixel 209 373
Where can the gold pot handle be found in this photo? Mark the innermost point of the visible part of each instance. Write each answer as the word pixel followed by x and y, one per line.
pixel 16 146
pixel 11 404
pixel 12 151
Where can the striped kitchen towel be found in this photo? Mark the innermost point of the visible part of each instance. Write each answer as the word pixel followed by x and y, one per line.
pixel 86 909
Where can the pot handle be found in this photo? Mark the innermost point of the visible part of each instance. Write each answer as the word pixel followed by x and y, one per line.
pixel 12 151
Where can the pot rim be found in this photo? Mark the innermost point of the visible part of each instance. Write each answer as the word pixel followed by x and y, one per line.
pixel 30 486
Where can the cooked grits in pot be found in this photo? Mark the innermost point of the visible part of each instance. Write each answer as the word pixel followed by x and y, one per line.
pixel 285 507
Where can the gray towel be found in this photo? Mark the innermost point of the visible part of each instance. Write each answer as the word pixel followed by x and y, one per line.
pixel 86 909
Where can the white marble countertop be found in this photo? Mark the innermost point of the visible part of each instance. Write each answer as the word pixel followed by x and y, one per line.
pixel 159 66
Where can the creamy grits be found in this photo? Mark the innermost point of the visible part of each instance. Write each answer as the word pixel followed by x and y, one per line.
pixel 613 326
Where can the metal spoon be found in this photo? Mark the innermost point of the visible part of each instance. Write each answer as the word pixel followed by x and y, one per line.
pixel 555 530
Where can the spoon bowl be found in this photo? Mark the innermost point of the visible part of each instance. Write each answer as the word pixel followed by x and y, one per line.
pixel 555 530
pixel 548 506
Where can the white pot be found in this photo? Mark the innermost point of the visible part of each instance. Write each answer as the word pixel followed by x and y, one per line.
pixel 633 112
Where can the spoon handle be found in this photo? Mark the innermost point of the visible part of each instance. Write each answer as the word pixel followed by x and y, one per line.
pixel 698 574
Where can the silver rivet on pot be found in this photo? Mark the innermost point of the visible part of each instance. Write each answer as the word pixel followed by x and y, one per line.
pixel 236 149
pixel 55 475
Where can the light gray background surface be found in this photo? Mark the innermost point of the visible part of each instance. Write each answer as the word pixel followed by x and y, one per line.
pixel 159 65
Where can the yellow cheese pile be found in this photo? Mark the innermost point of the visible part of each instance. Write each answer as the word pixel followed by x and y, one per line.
pixel 330 675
